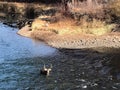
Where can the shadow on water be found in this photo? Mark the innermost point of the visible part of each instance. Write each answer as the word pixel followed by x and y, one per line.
pixel 115 64
pixel 91 69
pixel 21 61
pixel 72 70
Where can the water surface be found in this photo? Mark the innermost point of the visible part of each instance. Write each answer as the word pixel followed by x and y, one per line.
pixel 13 46
pixel 21 60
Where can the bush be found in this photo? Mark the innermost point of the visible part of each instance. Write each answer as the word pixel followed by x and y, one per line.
pixel 95 27
pixel 86 7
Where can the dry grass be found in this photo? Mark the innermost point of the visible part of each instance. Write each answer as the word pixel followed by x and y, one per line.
pixel 60 27
pixel 85 7
pixel 68 26
pixel 115 6
pixel 96 27
pixel 76 9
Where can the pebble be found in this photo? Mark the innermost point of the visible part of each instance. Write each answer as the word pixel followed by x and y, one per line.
pixel 62 61
pixel 94 84
pixel 72 70
pixel 114 87
pixel 81 80
pixel 83 73
pixel 55 81
pixel 84 86
pixel 78 86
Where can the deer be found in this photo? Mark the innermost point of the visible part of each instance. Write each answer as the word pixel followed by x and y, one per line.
pixel 46 71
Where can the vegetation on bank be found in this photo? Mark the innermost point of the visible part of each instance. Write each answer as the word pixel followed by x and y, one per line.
pixel 69 26
pixel 80 16
pixel 18 13
pixel 72 16
pixel 115 7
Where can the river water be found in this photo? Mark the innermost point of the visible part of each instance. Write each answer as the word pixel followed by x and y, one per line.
pixel 22 58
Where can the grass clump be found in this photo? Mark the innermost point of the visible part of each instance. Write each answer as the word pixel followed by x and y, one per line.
pixel 96 27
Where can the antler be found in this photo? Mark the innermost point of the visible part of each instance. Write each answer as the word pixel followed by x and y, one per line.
pixel 44 66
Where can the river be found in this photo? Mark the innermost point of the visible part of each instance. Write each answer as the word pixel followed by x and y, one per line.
pixel 22 58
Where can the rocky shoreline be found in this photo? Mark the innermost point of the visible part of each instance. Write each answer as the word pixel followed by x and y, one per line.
pixel 108 42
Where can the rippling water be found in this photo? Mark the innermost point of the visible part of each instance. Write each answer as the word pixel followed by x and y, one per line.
pixel 13 46
pixel 21 60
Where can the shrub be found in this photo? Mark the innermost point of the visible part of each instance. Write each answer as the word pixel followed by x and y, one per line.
pixel 96 27
pixel 90 7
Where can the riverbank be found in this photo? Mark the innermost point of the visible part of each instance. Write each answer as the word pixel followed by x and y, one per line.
pixel 108 42
pixel 65 34
pixel 60 34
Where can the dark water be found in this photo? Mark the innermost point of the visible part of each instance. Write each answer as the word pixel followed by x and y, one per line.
pixel 21 60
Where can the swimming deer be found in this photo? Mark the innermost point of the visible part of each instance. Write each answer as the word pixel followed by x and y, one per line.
pixel 46 71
